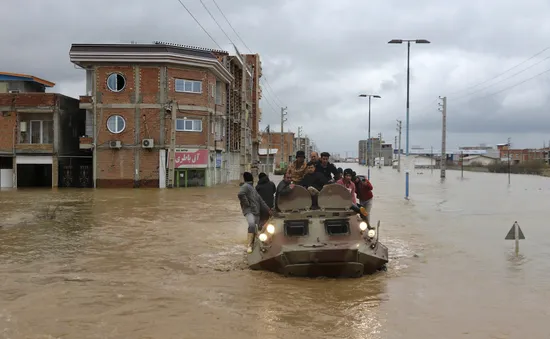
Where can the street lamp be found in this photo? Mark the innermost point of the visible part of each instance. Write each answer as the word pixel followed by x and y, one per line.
pixel 369 142
pixel 400 41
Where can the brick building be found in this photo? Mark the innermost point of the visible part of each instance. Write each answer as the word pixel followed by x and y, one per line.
pixel 518 156
pixel 253 60
pixel 39 135
pixel 157 112
pixel 289 150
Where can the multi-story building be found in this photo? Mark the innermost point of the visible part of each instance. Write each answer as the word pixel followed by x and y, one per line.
pixel 272 141
pixel 303 144
pixel 362 154
pixel 156 113
pixel 39 135
pixel 253 61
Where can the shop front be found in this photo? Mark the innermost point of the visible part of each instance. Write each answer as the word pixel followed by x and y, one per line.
pixel 190 167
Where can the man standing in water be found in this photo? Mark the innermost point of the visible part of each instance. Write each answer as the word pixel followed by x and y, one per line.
pixel 251 205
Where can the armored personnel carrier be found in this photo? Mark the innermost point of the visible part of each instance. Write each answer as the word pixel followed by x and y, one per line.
pixel 323 235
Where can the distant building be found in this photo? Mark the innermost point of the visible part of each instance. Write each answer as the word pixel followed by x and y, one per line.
pixel 481 160
pixel 273 141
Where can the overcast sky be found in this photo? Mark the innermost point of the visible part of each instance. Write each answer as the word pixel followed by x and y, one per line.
pixel 318 56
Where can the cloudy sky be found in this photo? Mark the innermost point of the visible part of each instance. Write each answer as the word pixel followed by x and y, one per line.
pixel 318 56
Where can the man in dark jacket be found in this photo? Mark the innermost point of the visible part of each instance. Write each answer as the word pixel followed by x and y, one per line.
pixel 284 188
pixel 312 178
pixel 326 168
pixel 266 188
pixel 252 206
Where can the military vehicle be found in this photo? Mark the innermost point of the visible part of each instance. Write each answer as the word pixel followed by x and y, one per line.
pixel 323 235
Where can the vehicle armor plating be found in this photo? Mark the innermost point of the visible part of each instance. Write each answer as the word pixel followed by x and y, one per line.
pixel 326 238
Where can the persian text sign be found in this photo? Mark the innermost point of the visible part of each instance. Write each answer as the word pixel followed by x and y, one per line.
pixel 191 158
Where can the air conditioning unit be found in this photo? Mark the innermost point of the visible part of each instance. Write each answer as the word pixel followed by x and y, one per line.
pixel 148 143
pixel 115 144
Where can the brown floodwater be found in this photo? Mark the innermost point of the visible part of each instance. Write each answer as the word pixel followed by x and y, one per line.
pixel 146 263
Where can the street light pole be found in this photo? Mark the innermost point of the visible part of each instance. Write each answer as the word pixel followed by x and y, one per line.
pixel 400 41
pixel 369 141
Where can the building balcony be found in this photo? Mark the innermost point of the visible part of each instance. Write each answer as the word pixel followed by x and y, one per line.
pixel 86 143
pixel 86 102
pixel 34 148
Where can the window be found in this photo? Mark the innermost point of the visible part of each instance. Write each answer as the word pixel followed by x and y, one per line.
pixel 188 125
pixel 188 86
pixel 116 124
pixel 41 132
pixel 219 93
pixel 116 82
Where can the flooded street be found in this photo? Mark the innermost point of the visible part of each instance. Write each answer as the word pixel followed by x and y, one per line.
pixel 149 263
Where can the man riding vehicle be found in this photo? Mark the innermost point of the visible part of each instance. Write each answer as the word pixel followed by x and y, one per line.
pixel 297 169
pixel 326 168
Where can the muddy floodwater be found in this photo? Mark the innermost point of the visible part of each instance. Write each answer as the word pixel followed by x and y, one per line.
pixel 146 263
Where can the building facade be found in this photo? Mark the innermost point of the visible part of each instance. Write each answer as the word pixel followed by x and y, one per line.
pixel 39 135
pixel 155 114
pixel 273 141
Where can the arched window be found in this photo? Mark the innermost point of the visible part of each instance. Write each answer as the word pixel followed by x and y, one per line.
pixel 116 82
pixel 116 124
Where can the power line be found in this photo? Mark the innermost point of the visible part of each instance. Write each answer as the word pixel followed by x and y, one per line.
pixel 515 85
pixel 197 21
pixel 219 26
pixel 216 21
pixel 264 77
pixel 511 76
pixel 506 71
pixel 229 23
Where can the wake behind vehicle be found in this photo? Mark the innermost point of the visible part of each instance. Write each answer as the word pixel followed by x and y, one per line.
pixel 318 236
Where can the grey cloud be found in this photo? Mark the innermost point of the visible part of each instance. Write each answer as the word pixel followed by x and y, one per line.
pixel 316 55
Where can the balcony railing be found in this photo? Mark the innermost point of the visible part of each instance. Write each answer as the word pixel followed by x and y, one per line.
pixel 86 102
pixel 86 143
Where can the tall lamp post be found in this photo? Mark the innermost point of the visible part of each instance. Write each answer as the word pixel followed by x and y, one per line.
pixel 369 142
pixel 400 41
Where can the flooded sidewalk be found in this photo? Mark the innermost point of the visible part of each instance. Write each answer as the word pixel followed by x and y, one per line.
pixel 150 263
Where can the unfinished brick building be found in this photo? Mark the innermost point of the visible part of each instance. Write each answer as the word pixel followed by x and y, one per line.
pixel 167 115
pixel 39 135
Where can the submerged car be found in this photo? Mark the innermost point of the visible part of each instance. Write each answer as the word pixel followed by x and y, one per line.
pixel 323 235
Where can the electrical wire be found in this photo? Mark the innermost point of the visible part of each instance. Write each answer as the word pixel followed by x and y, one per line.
pixel 197 21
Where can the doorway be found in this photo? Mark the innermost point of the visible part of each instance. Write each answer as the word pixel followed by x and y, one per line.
pixel 34 175
pixel 190 177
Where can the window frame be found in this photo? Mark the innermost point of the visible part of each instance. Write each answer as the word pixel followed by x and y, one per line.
pixel 184 81
pixel 184 129
pixel 116 74
pixel 116 124
pixel 41 135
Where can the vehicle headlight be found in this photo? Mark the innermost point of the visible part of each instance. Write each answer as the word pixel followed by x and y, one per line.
pixel 371 233
pixel 270 229
pixel 262 237
pixel 363 226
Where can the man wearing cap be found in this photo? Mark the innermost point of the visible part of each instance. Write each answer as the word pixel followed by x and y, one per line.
pixel 297 169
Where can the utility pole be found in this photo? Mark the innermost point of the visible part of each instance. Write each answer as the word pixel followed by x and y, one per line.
pixel 509 160
pixel 399 123
pixel 379 150
pixel 443 110
pixel 269 168
pixel 432 159
pixel 461 164
pixel 172 149
pixel 283 119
